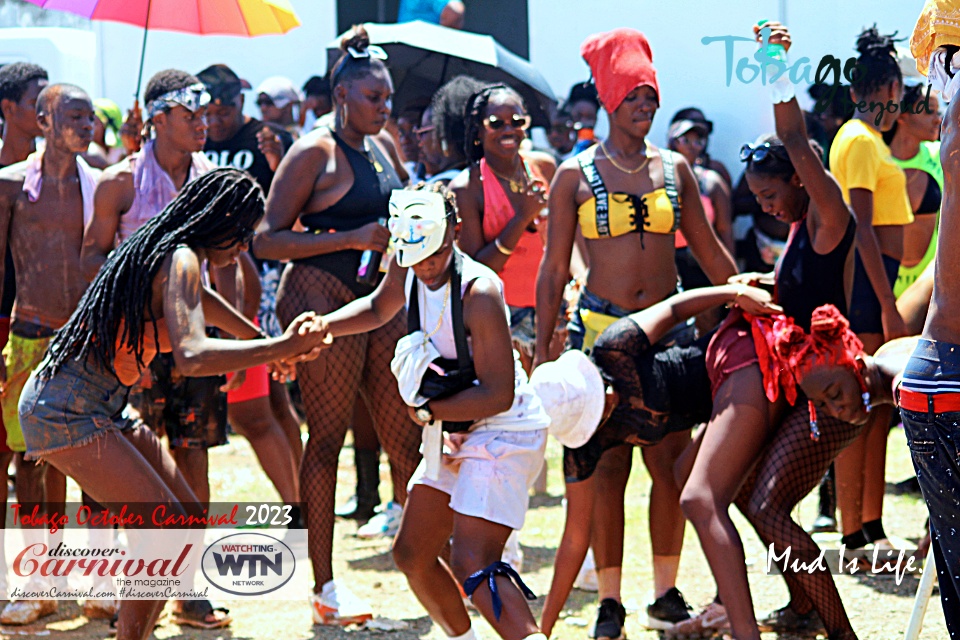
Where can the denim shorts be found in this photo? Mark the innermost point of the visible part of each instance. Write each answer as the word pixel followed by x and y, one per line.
pixel 76 406
pixel 682 334
pixel 934 441
pixel 865 312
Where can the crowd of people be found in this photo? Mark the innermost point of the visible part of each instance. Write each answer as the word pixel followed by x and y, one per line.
pixel 452 294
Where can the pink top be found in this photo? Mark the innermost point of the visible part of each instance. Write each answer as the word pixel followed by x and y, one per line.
pixel 519 274
pixel 153 188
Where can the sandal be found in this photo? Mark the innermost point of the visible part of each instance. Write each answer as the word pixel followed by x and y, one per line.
pixel 201 614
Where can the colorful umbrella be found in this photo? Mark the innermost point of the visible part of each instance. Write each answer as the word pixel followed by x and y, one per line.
pixel 220 17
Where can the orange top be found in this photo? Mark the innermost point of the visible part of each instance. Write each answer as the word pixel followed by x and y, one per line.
pixel 125 362
pixel 519 274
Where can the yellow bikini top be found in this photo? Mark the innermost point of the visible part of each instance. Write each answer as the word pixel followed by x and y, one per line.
pixel 608 215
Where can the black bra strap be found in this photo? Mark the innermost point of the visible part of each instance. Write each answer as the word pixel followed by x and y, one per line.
pixel 670 185
pixel 456 310
pixel 587 159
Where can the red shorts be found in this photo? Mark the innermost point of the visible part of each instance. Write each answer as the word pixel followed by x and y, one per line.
pixel 731 349
pixel 257 385
pixel 4 335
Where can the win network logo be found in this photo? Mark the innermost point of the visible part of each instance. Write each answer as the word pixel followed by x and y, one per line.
pixel 248 564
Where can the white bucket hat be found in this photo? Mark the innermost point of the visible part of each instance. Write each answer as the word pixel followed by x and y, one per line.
pixel 572 392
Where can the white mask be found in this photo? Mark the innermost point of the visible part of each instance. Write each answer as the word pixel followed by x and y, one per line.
pixel 418 224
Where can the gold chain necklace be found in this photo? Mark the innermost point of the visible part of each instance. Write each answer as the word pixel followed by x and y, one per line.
pixel 443 309
pixel 620 166
pixel 516 186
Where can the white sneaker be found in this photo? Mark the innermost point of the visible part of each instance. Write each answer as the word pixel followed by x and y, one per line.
pixel 512 553
pixel 587 578
pixel 383 525
pixel 337 605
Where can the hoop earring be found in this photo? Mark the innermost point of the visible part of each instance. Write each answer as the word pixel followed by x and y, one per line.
pixel 443 147
pixel 343 117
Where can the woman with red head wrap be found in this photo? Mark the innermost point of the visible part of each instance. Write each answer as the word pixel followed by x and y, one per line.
pixel 628 199
pixel 786 175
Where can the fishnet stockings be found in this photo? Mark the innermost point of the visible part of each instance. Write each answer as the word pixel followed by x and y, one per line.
pixel 329 386
pixel 790 468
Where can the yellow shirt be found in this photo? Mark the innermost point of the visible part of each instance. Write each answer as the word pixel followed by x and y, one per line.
pixel 860 159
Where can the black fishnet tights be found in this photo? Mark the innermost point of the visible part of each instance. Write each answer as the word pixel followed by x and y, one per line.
pixel 329 386
pixel 790 468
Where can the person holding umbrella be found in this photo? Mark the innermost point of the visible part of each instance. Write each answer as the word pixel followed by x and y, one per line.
pixel 337 181
pixel 625 196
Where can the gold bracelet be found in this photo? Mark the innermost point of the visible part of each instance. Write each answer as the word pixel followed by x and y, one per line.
pixel 502 249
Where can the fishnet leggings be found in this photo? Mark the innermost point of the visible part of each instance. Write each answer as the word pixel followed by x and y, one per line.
pixel 329 386
pixel 790 468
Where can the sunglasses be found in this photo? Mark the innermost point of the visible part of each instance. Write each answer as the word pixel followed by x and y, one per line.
pixel 760 152
pixel 516 121
pixel 422 131
pixel 264 102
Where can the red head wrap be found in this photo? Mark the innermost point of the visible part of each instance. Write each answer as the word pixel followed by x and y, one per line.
pixel 787 353
pixel 620 61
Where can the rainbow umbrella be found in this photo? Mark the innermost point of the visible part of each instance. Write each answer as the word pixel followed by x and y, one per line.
pixel 219 17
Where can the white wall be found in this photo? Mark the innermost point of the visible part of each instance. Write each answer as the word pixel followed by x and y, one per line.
pixel 693 74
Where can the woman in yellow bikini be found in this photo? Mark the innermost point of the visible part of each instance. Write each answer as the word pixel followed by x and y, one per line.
pixel 628 199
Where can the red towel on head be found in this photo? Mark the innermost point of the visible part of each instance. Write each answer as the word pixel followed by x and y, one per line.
pixel 621 61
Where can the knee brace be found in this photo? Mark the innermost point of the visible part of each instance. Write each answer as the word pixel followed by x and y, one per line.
pixel 489 574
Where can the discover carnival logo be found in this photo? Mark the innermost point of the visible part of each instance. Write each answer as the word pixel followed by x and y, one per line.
pixel 248 564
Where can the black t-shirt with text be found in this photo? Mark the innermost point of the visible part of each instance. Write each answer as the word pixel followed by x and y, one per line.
pixel 242 152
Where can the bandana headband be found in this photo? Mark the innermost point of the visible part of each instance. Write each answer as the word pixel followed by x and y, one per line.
pixel 192 98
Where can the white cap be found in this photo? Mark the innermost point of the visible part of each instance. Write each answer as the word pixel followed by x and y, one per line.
pixel 418 223
pixel 572 392
pixel 280 90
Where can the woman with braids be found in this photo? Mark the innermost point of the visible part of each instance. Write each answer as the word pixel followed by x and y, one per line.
pixel 148 298
pixel 875 187
pixel 476 494
pixel 443 128
pixel 501 197
pixel 628 199
pixel 337 181
pixel 914 143
pixel 789 181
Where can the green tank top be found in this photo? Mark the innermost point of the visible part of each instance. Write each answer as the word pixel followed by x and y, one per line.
pixel 928 160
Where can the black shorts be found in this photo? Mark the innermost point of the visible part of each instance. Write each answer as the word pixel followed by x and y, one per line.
pixel 191 411
pixel 865 311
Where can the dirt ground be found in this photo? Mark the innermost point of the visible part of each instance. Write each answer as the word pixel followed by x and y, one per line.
pixel 878 608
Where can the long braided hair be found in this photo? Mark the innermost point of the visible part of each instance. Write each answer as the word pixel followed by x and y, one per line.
pixel 216 211
pixel 473 118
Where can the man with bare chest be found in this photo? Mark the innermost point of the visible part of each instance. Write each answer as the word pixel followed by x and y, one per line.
pixel 44 202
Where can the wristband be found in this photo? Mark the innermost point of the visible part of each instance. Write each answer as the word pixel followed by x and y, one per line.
pixel 502 249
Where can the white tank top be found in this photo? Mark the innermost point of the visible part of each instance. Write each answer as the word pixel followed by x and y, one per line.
pixel 526 414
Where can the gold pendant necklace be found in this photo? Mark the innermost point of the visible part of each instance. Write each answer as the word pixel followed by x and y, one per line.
pixel 620 166
pixel 516 186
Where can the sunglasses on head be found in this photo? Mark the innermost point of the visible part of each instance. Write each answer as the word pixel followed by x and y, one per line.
pixel 516 121
pixel 760 152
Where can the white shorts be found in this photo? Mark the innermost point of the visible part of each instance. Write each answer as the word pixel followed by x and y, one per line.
pixel 489 476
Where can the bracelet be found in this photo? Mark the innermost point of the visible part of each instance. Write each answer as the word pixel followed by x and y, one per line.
pixel 502 249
